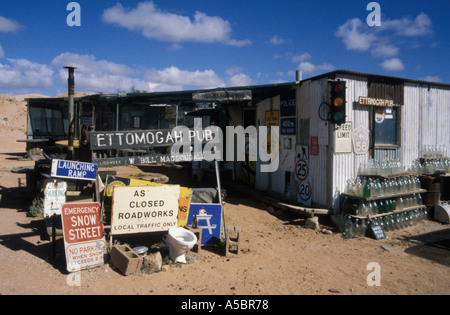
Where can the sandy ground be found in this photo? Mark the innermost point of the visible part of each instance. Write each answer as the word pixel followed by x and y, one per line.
pixel 278 255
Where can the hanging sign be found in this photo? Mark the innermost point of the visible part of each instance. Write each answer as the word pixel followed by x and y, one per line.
pixel 370 101
pixel 83 236
pixel 142 209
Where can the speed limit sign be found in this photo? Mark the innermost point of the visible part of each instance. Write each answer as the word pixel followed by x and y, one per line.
pixel 301 170
pixel 304 190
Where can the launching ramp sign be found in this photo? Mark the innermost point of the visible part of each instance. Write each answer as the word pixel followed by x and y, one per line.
pixel 73 170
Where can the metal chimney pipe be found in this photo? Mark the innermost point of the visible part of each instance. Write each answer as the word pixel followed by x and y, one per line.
pixel 298 75
pixel 71 116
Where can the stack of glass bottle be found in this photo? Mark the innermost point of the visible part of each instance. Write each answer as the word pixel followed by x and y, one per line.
pixel 367 187
pixel 356 226
pixel 382 195
pixel 432 160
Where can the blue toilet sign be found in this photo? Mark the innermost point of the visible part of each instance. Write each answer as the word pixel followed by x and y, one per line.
pixel 209 219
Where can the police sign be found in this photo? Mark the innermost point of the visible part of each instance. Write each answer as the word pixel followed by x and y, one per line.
pixel 73 170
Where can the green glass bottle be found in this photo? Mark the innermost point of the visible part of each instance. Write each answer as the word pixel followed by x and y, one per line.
pixel 366 189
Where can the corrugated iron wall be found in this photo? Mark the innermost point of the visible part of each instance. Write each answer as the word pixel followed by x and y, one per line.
pixel 346 165
pixel 313 93
pixel 426 119
pixel 329 171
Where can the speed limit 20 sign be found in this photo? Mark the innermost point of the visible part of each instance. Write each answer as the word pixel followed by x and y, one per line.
pixel 304 191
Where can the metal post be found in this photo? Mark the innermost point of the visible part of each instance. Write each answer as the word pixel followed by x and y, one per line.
pixel 71 116
pixel 53 237
pixel 219 188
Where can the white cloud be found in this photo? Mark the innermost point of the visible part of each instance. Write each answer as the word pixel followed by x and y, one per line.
pixel 154 23
pixel 9 25
pixel 22 74
pixel 172 78
pixel 385 50
pixel 275 40
pixel 97 75
pixel 383 41
pixel 301 58
pixel 2 52
pixel 240 79
pixel 233 70
pixel 89 64
pixel 393 64
pixel 420 26
pixel 431 78
pixel 308 68
pixel 108 77
pixel 356 35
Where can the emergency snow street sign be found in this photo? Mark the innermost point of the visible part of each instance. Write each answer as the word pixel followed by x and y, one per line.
pixel 74 170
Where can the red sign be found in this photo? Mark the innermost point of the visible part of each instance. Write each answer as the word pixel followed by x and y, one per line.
pixel 314 145
pixel 81 222
pixel 83 235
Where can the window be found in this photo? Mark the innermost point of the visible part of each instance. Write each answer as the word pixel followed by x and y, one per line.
pixel 386 121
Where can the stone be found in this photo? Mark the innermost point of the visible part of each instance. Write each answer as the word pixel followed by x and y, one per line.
pixel 152 263
pixel 312 223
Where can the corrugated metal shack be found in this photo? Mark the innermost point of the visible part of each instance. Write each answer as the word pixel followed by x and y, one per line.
pixel 420 116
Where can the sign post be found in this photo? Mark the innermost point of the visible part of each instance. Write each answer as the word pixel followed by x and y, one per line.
pixel 83 236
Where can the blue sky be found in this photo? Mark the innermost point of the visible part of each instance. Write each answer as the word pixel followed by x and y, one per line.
pixel 194 44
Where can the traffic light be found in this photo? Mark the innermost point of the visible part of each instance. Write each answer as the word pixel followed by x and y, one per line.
pixel 338 102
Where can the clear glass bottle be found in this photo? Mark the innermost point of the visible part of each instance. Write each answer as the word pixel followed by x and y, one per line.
pixel 348 228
